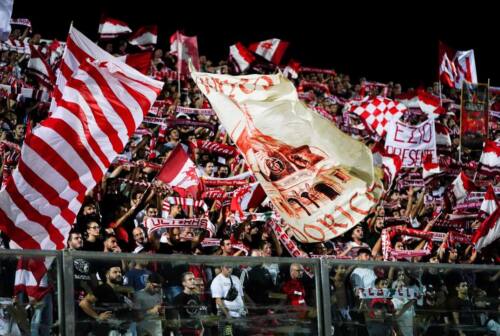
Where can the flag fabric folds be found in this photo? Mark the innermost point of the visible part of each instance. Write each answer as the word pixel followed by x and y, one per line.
pixel 376 113
pixel 111 28
pixel 39 68
pixel 240 57
pixel 490 158
pixel 185 48
pixel 488 231
pixel 5 14
pixel 180 172
pixel 321 181
pixel 100 104
pixel 272 49
pixel 144 37
pixel 456 66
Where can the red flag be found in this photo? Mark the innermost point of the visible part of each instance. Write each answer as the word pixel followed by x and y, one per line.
pixel 180 172
pixel 390 163
pixel 140 61
pixel 488 231
pixel 240 57
pixel 185 48
pixel 430 168
pixel 110 28
pixel 144 37
pixel 272 49
pixel 490 158
pixel 489 204
pixel 292 69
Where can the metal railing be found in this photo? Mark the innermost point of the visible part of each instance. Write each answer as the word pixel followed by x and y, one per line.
pixel 319 268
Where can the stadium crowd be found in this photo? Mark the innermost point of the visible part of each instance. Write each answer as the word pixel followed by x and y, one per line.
pixel 147 298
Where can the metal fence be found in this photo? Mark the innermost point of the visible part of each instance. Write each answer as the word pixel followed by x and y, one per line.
pixel 325 309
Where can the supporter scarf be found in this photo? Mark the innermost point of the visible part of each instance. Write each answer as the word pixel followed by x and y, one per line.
pixel 318 70
pixel 237 180
pixel 404 293
pixel 314 85
pixel 216 194
pixel 390 253
pixel 330 256
pixel 186 202
pixel 21 22
pixel 145 164
pixel 134 183
pixel 283 237
pixel 211 242
pixel 154 223
pixel 214 147
pixel 194 111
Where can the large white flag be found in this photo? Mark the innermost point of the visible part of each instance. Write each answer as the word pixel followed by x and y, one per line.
pixel 321 180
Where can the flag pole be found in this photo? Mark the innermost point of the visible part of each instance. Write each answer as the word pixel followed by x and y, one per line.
pixel 179 62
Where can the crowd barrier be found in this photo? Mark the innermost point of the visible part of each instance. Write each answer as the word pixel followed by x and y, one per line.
pixel 332 297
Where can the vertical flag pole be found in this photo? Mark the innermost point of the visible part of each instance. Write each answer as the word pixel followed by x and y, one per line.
pixel 179 64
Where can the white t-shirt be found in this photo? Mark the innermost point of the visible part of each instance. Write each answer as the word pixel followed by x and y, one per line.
pixel 219 288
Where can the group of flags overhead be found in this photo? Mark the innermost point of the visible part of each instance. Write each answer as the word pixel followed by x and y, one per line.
pixel 272 50
pixel 456 66
pixel 99 102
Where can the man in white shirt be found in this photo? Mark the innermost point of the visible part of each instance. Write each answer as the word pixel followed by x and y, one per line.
pixel 227 306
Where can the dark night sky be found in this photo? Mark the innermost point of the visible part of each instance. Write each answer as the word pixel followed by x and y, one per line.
pixel 380 42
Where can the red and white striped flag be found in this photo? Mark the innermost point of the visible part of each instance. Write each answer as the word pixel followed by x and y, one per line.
pixel 447 70
pixel 488 231
pixel 272 49
pixel 378 112
pixel 31 278
pixel 185 48
pixel 490 158
pixel 99 106
pixel 144 37
pixel 180 172
pixel 39 68
pixel 465 63
pixel 455 67
pixel 430 169
pixel 240 57
pixel 111 28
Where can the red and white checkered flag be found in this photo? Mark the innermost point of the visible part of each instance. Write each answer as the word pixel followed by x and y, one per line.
pixel 378 112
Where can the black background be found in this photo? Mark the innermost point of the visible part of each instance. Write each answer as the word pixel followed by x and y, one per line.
pixel 380 41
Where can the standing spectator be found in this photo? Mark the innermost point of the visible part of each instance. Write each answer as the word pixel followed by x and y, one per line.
pixel 462 316
pixel 189 307
pixel 108 305
pixel 228 294
pixel 148 302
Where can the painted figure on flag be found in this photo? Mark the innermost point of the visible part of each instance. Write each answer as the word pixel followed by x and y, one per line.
pixel 303 175
pixel 321 181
